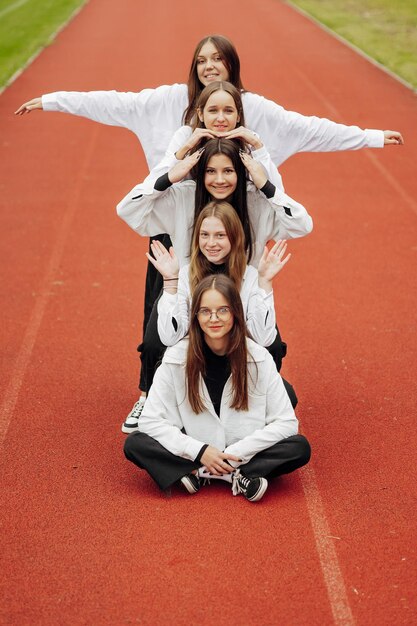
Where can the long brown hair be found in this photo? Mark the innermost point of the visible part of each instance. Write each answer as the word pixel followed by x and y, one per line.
pixel 239 199
pixel 231 61
pixel 209 90
pixel 236 351
pixel 236 261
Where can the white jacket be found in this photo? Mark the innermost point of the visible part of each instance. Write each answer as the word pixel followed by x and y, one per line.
pixel 155 114
pixel 270 417
pixel 258 308
pixel 150 212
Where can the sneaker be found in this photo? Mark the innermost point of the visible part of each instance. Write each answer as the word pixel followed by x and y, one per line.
pixel 191 482
pixel 252 488
pixel 131 422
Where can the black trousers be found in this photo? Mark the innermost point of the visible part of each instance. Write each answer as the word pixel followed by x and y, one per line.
pixel 153 282
pixel 152 350
pixel 165 468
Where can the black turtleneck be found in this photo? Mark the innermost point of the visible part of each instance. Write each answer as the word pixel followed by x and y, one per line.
pixel 217 373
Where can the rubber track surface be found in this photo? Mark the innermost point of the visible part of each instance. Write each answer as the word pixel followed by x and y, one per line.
pixel 86 538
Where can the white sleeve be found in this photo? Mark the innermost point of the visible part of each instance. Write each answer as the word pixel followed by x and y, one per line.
pixel 174 311
pixel 152 114
pixel 280 421
pixel 260 309
pixel 161 419
pixel 149 212
pixel 294 221
pixel 286 132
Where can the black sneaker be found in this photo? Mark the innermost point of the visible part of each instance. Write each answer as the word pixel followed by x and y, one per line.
pixel 191 482
pixel 252 488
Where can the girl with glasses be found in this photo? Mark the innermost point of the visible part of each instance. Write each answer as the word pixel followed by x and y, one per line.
pixel 217 408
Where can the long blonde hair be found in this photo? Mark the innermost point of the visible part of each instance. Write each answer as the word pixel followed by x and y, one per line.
pixel 236 262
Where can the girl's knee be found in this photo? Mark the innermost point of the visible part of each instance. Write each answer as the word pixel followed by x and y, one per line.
pixel 304 450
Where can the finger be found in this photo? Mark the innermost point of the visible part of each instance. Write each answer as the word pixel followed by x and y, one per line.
pixel 232 457
pixel 281 252
pixel 151 259
pixel 287 258
pixel 277 245
pixel 160 246
pixel 155 250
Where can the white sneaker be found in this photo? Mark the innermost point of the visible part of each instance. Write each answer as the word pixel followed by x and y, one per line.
pixel 131 422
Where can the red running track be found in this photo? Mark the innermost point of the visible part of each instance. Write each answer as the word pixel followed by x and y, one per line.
pixel 86 538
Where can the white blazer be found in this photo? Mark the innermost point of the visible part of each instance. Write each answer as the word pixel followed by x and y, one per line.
pixel 167 412
pixel 150 212
pixel 258 308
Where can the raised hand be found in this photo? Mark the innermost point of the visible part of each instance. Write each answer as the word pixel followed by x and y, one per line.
pixel 184 167
pixel 27 107
pixel 165 262
pixel 393 137
pixel 194 140
pixel 255 169
pixel 272 261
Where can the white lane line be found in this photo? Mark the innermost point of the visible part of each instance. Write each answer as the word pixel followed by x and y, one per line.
pixel 12 7
pixel 332 573
pixel 29 339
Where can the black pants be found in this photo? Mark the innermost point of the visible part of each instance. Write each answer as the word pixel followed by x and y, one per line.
pixel 165 468
pixel 154 282
pixel 152 350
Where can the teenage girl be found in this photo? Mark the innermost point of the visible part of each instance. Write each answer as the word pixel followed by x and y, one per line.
pixel 217 408
pixel 218 247
pixel 219 114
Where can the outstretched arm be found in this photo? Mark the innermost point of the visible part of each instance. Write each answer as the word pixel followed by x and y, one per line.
pixel 287 132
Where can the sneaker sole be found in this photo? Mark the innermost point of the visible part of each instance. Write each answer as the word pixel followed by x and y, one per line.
pixel 186 482
pixel 262 488
pixel 127 428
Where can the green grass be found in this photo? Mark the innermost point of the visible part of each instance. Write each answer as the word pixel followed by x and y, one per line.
pixel 385 29
pixel 26 26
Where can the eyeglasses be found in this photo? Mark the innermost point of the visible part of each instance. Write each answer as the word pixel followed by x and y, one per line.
pixel 222 313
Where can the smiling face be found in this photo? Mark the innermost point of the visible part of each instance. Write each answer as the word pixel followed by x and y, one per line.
pixel 220 178
pixel 213 240
pixel 216 331
pixel 210 65
pixel 220 112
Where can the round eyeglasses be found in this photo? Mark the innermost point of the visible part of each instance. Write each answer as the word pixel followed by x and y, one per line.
pixel 222 313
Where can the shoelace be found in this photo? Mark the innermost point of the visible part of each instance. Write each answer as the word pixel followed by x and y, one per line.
pixel 239 483
pixel 137 409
